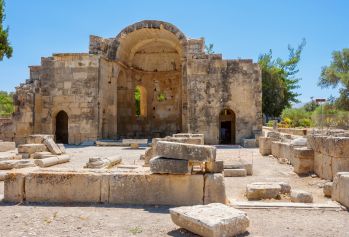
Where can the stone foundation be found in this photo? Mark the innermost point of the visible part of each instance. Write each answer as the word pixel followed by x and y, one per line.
pixel 86 186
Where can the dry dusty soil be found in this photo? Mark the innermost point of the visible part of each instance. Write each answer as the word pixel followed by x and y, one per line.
pixel 122 220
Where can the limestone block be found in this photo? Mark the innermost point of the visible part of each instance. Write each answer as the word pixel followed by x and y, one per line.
pixel 185 151
pixel 103 162
pixel 42 155
pixel 328 189
pixel 160 165
pixel 149 153
pixel 8 156
pixel 265 146
pixel 213 220
pixel 50 161
pixel 214 189
pixel 7 146
pixel 134 141
pixel 303 160
pixel 338 146
pixel 52 146
pixel 340 188
pixel 2 175
pixel 326 167
pixel 38 138
pixel 31 148
pixel 285 187
pixel 235 173
pixel 214 167
pixel 15 164
pixel 14 187
pixel 299 142
pixel 258 191
pixel 63 187
pixel 301 196
pixel 25 155
pixel 275 149
pixel 156 189
pixel 340 165
pixel 318 163
pixel 240 164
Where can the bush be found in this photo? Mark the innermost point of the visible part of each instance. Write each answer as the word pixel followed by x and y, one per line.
pixel 298 117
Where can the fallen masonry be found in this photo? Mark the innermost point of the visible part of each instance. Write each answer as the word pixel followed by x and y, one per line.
pixel 211 220
pixel 258 191
pixel 161 165
pixel 301 196
pixel 103 162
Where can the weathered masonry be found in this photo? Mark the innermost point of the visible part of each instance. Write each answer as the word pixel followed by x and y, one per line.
pixel 148 81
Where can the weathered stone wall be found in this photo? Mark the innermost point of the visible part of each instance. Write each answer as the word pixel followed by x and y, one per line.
pixel 214 85
pixel 184 89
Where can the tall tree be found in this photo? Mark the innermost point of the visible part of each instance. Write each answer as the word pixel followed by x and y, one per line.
pixel 5 47
pixel 279 80
pixel 337 74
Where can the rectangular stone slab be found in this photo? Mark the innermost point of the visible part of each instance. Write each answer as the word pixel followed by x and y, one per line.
pixel 185 151
pixel 31 148
pixel 156 189
pixel 212 220
pixel 7 146
pixel 63 187
pixel 160 165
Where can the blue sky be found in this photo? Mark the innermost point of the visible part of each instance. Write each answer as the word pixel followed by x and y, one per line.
pixel 238 29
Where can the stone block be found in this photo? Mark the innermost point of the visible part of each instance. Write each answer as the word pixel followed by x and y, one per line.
pixel 14 187
pixel 342 188
pixel 214 189
pixel 299 142
pixel 303 160
pixel 211 220
pixel 103 162
pixel 160 165
pixel 326 167
pixel 134 141
pixel 31 148
pixel 185 151
pixel 52 146
pixel 61 147
pixel 214 166
pixel 285 187
pixel 318 163
pixel 235 173
pixel 134 145
pixel 240 164
pixel 38 138
pixel 338 146
pixel 340 165
pixel 301 196
pixel 15 164
pixel 7 146
pixel 328 189
pixel 275 149
pixel 156 189
pixel 258 191
pixel 265 146
pixel 63 187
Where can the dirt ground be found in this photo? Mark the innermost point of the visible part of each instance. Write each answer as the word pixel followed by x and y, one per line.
pixel 122 220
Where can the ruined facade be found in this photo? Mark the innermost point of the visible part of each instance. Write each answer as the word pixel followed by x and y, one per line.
pixel 88 96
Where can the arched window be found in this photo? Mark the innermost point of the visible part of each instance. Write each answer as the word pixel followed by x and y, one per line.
pixel 141 101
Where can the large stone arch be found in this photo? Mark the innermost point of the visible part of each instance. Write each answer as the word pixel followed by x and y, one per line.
pixel 153 55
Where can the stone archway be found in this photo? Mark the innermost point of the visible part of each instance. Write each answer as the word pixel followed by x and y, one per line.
pixel 61 134
pixel 227 127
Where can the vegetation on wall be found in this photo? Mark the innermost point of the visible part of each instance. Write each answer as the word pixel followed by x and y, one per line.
pixel 6 103
pixel 279 80
pixel 5 47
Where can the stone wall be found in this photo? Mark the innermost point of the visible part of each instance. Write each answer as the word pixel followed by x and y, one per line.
pixel 214 85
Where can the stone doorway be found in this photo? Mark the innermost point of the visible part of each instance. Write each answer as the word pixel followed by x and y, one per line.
pixel 62 127
pixel 227 127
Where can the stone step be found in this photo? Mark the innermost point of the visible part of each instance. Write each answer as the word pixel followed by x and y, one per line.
pixel 235 173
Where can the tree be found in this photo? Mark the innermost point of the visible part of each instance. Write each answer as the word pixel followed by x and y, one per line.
pixel 337 74
pixel 279 80
pixel 5 47
pixel 209 49
pixel 6 103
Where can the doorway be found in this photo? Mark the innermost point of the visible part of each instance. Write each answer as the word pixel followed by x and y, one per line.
pixel 227 127
pixel 62 127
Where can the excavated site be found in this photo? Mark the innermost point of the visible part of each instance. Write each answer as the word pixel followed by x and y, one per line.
pixel 80 157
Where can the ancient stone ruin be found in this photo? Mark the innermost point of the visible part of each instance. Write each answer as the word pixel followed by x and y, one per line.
pixel 82 97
